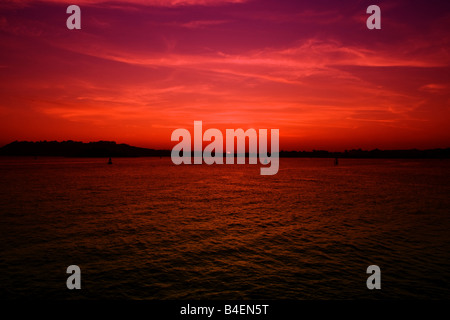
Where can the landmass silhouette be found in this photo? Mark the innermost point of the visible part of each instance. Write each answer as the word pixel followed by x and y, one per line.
pixel 78 149
pixel 112 149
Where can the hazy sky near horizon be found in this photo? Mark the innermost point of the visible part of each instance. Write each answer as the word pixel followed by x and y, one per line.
pixel 139 69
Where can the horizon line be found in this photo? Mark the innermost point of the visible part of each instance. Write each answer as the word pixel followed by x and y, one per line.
pixel 194 151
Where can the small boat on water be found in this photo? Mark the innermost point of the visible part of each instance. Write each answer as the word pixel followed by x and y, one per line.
pixel 110 161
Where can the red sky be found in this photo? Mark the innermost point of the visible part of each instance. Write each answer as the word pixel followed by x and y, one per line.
pixel 139 69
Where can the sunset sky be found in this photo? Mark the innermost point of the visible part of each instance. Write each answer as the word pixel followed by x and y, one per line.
pixel 139 69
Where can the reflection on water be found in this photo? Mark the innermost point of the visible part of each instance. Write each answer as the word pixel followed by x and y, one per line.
pixel 147 229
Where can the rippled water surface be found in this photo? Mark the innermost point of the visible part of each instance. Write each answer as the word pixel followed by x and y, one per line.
pixel 147 229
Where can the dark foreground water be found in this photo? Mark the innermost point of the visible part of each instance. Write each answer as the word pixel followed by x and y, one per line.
pixel 147 229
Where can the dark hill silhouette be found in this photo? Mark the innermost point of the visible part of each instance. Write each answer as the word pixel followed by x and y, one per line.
pixel 112 149
pixel 78 149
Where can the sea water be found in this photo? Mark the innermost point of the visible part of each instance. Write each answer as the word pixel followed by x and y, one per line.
pixel 144 228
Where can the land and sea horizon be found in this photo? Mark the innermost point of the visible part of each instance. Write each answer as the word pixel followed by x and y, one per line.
pixel 98 149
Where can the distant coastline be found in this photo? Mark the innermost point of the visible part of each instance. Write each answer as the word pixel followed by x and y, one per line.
pixel 71 148
pixel 112 149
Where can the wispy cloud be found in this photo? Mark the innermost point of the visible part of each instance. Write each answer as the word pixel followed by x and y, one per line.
pixel 162 3
pixel 435 88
